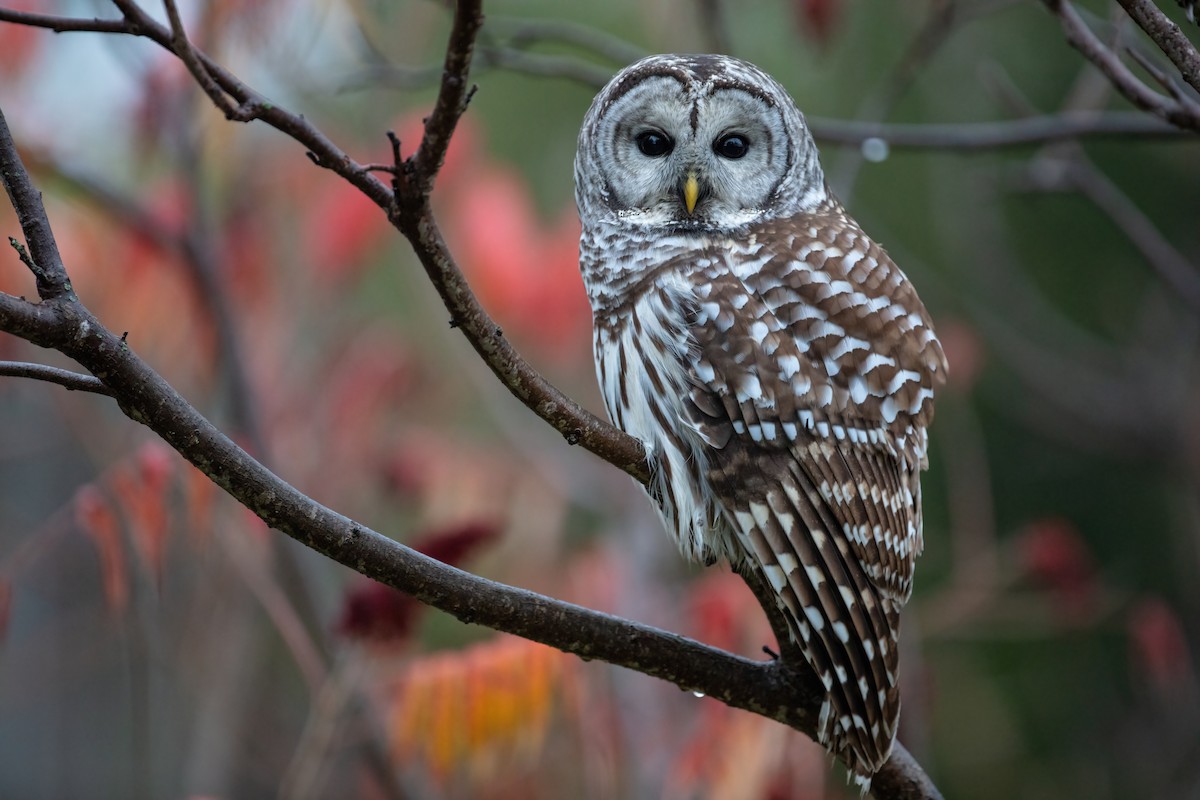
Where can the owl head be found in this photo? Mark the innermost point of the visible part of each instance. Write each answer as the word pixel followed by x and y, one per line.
pixel 702 143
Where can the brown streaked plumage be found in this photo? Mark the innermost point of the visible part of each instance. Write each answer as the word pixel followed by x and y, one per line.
pixel 778 365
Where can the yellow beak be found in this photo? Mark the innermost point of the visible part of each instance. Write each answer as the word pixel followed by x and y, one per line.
pixel 691 192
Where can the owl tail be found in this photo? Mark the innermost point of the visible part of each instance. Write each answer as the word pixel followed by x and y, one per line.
pixel 862 756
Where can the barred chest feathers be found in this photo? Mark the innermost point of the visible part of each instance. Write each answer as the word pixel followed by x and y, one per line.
pixel 641 347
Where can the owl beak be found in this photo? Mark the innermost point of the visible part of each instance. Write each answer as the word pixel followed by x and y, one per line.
pixel 691 192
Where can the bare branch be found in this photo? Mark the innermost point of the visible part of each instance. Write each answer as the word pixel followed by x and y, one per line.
pixel 971 136
pixel 63 24
pixel 492 52
pixel 452 97
pixel 182 47
pixel 1169 38
pixel 42 257
pixel 40 372
pixel 995 135
pixel 1180 111
pixel 529 32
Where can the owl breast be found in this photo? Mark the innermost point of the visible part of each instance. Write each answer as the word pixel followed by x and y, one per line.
pixel 643 346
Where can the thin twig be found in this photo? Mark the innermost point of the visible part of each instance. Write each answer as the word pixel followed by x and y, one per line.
pixel 65 378
pixel 1066 166
pixel 63 24
pixel 1161 78
pixel 611 48
pixel 996 135
pixel 452 97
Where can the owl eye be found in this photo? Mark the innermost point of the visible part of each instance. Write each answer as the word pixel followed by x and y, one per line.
pixel 731 146
pixel 654 143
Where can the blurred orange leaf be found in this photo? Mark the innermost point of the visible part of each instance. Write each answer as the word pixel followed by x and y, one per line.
pixel 473 709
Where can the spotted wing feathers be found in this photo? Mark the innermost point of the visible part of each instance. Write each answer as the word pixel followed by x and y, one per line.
pixel 811 381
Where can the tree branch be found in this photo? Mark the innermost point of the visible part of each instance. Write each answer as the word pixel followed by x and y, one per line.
pixel 42 257
pixel 1181 111
pixel 1169 38
pixel 1002 134
pixel 63 24
pixel 66 378
pixel 452 98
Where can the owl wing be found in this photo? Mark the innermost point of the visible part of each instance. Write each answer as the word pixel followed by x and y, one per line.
pixel 812 377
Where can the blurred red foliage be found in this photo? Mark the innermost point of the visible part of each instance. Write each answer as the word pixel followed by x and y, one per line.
pixel 525 274
pixel 377 613
pixel 731 753
pixel 342 228
pixel 1158 646
pixel 1057 559
pixel 726 614
pixel 95 516
pixel 199 495
pixel 142 488
pixel 19 43
pixel 818 18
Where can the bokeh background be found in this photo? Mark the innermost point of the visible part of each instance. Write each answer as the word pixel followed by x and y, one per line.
pixel 157 641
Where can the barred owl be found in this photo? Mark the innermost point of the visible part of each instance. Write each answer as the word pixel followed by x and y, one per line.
pixel 778 366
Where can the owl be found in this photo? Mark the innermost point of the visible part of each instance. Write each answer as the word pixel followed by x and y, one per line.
pixel 777 365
